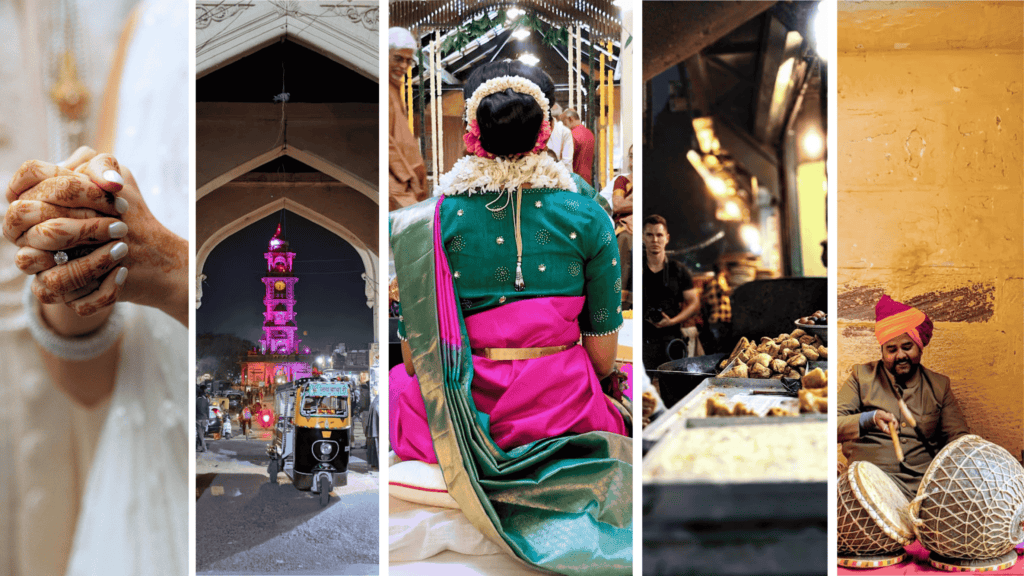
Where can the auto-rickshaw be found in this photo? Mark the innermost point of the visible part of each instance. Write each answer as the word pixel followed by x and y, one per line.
pixel 312 434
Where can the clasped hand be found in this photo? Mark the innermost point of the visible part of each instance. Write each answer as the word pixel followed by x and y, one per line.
pixel 89 206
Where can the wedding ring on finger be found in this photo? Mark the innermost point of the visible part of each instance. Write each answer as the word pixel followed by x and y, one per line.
pixel 60 258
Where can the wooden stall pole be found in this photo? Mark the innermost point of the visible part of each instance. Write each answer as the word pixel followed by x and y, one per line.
pixel 423 104
pixel 433 102
pixel 440 105
pixel 599 176
pixel 407 97
pixel 569 60
pixel 579 70
pixel 611 118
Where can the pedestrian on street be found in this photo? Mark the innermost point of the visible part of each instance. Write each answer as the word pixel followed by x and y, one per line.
pixel 202 417
pixel 246 421
pixel 372 435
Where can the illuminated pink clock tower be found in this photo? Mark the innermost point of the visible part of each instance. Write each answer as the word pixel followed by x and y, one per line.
pixel 279 317
pixel 278 358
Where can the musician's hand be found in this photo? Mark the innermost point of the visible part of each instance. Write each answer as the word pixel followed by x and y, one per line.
pixel 883 419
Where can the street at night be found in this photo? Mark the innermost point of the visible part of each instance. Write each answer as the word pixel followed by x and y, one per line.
pixel 246 525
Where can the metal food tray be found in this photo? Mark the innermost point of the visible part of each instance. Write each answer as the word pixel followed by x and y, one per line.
pixel 695 526
pixel 690 412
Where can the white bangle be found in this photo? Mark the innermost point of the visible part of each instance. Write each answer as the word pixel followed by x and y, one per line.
pixel 75 348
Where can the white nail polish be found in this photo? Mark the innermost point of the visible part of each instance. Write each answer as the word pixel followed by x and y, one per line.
pixel 120 250
pixel 121 275
pixel 113 176
pixel 121 205
pixel 118 230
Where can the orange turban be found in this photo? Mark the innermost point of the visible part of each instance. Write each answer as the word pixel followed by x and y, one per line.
pixel 893 318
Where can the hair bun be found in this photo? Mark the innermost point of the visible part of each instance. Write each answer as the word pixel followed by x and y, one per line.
pixel 509 123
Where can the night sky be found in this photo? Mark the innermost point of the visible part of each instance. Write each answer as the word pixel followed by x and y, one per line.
pixel 330 295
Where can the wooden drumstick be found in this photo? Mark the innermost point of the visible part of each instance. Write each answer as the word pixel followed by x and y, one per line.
pixel 907 415
pixel 894 432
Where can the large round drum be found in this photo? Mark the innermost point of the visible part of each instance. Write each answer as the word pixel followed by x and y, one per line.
pixel 970 504
pixel 872 519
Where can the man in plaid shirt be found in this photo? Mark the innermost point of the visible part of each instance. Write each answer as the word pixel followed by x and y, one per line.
pixel 717 307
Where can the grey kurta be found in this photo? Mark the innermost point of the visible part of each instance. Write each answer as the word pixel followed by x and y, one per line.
pixel 930 399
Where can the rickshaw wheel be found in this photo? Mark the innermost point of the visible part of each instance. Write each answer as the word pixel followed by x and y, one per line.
pixel 325 492
pixel 272 470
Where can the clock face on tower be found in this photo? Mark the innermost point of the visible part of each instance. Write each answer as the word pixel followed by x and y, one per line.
pixel 279 286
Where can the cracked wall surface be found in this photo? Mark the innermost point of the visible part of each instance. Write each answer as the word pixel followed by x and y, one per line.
pixel 931 149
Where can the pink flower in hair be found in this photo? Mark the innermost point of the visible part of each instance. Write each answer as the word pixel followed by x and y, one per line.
pixel 542 137
pixel 472 141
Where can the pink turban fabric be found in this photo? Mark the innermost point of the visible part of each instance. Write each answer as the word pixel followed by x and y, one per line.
pixel 893 318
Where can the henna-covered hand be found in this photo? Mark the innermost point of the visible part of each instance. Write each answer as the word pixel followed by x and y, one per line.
pixel 92 187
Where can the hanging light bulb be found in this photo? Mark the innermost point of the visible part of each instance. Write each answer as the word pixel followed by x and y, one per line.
pixel 751 237
pixel 528 59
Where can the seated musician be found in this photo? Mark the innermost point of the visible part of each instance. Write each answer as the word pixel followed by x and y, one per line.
pixel 869 400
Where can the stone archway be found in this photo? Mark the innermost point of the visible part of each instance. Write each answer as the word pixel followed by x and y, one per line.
pixel 338 139
pixel 347 34
pixel 337 208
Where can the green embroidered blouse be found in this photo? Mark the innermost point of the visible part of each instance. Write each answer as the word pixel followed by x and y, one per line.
pixel 569 249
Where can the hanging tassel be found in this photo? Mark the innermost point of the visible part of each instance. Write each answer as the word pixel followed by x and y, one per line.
pixel 520 285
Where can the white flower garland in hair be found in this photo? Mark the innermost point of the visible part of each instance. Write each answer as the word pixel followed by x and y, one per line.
pixel 502 83
pixel 473 174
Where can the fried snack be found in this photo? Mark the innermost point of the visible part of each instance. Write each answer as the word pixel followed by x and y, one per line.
pixel 822 352
pixel 811 403
pixel 807 339
pixel 809 352
pixel 760 371
pixel 777 411
pixel 745 355
pixel 792 343
pixel 741 409
pixel 650 403
pixel 738 371
pixel 793 373
pixel 716 406
pixel 816 379
pixel 797 361
pixel 763 359
pixel 797 333
pixel 778 366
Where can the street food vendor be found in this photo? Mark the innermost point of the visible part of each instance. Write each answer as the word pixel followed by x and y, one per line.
pixel 869 400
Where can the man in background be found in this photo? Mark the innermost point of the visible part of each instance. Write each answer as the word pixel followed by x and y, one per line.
pixel 582 146
pixel 202 417
pixel 669 296
pixel 716 306
pixel 560 141
pixel 407 171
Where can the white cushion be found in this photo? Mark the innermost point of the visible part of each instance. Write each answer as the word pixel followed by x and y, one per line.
pixel 419 482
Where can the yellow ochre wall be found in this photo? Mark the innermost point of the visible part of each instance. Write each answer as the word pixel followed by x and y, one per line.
pixel 931 133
